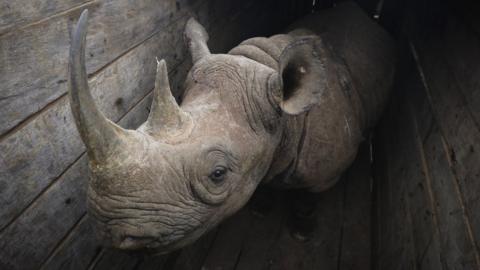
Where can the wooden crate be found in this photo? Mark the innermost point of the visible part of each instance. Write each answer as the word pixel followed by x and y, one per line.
pixel 409 201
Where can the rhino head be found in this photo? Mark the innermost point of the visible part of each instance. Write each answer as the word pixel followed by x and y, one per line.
pixel 187 167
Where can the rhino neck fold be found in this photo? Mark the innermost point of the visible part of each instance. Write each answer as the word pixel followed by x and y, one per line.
pixel 286 154
pixel 263 50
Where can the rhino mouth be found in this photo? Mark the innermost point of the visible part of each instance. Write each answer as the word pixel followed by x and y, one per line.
pixel 129 225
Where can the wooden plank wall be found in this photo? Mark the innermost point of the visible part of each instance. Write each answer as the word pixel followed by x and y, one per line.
pixel 43 169
pixel 426 148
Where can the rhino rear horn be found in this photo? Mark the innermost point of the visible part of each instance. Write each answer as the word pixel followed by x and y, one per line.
pixel 97 132
pixel 165 114
pixel 196 38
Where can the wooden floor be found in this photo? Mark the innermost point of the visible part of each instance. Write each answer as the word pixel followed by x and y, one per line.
pixel 249 240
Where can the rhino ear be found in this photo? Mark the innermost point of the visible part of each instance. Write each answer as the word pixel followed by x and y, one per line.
pixel 303 76
pixel 196 38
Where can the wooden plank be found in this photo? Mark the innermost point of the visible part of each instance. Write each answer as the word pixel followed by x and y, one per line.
pixel 458 246
pixel 424 214
pixel 156 262
pixel 457 125
pixel 54 213
pixel 16 240
pixel 15 14
pixel 322 250
pixel 40 152
pixel 462 54
pixel 394 243
pixel 355 244
pixel 424 116
pixel 457 242
pixel 265 24
pixel 370 6
pixel 408 173
pixel 380 197
pixel 448 74
pixel 193 256
pixel 467 11
pixel 116 259
pixel 397 249
pixel 77 251
pixel 227 245
pixel 264 230
pixel 386 202
pixel 420 199
pixel 391 14
pixel 152 262
pixel 397 245
pixel 34 60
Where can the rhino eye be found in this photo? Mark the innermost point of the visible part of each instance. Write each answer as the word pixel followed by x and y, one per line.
pixel 218 175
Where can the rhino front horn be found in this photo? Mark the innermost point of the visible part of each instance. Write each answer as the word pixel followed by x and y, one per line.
pixel 98 133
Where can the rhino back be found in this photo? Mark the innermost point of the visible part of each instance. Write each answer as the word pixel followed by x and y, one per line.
pixel 360 68
pixel 365 49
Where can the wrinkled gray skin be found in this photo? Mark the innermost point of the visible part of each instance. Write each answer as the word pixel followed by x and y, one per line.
pixel 288 110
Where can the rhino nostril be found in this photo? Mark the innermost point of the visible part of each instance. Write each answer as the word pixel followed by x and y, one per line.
pixel 135 242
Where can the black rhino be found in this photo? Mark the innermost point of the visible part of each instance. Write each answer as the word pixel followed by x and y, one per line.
pixel 289 110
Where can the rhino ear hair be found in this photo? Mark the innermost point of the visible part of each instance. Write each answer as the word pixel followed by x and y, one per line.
pixel 303 75
pixel 196 38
